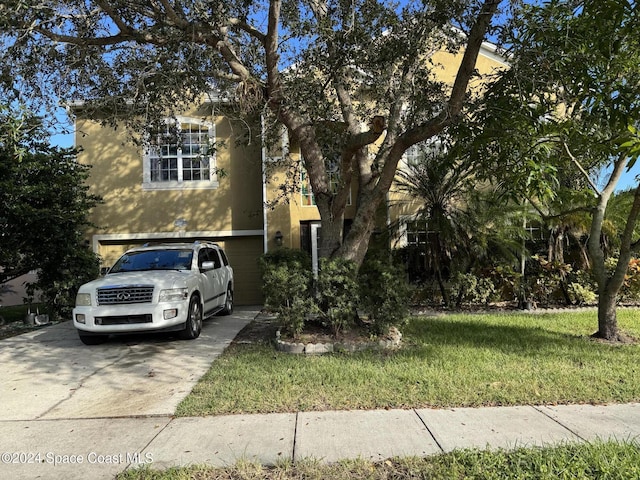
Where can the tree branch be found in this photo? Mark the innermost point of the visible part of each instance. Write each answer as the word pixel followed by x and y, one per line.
pixel 120 23
pixel 625 244
pixel 467 66
pixel 93 41
pixel 582 170
pixel 170 12
pixel 250 29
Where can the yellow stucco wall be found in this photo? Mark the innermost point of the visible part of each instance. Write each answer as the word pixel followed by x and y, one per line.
pixel 231 214
pixel 117 177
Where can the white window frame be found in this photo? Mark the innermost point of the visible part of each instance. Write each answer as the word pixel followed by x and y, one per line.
pixel 307 197
pixel 412 154
pixel 181 184
pixel 403 230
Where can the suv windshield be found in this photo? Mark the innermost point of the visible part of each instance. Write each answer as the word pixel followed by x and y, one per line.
pixel 154 260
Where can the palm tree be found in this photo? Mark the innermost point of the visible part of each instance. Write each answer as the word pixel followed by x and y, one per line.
pixel 465 221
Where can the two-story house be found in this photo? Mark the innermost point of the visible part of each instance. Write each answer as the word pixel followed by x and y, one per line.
pixel 194 181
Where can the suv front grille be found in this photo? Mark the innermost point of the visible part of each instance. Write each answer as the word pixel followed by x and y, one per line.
pixel 125 294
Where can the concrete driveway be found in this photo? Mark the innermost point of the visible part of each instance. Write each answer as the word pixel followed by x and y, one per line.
pixel 49 374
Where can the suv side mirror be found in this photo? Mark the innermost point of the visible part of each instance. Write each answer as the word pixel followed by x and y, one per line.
pixel 207 266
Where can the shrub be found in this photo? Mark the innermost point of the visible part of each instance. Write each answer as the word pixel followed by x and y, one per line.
pixel 287 286
pixel 338 292
pixel 59 279
pixel 506 282
pixel 631 287
pixel 384 294
pixel 470 288
pixel 581 294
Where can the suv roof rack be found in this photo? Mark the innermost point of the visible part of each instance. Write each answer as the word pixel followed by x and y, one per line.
pixel 170 244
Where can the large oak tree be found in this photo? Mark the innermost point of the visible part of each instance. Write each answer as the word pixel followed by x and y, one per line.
pixel 339 75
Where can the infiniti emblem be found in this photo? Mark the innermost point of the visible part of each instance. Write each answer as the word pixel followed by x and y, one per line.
pixel 123 296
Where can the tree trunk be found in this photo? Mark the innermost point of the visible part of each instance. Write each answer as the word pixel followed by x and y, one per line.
pixel 609 285
pixel 373 186
pixel 356 243
pixel 607 319
pixel 443 289
pixel 331 233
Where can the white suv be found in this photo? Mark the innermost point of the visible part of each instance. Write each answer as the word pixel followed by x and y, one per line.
pixel 169 287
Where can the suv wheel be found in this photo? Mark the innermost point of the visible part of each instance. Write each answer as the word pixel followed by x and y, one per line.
pixel 193 326
pixel 228 302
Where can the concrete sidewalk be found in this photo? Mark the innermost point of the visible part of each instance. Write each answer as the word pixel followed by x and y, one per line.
pixel 102 447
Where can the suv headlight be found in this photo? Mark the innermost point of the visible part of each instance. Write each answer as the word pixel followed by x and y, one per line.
pixel 83 300
pixel 173 294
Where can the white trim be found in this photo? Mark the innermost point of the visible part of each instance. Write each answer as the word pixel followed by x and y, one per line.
pixel 401 238
pixel 99 238
pixel 490 51
pixel 263 152
pixel 176 185
pixel 314 248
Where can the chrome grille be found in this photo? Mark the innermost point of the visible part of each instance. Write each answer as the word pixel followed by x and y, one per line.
pixel 125 294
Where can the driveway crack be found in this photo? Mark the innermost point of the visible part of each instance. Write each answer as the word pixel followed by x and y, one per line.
pixel 81 383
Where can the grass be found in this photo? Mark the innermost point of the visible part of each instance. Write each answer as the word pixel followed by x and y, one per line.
pixel 598 460
pixel 451 360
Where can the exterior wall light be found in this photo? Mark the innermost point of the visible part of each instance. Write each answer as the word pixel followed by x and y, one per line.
pixel 279 238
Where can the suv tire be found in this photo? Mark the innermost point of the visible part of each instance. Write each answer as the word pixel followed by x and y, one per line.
pixel 228 302
pixel 193 325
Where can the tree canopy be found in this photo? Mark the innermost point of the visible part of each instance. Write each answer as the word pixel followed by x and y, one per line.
pixel 569 103
pixel 43 210
pixel 339 75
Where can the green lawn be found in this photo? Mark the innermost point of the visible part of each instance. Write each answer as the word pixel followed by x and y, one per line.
pixel 448 360
pixel 585 461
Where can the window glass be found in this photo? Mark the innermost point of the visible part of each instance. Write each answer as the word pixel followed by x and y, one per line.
pixel 215 258
pixel 179 154
pixel 154 260
pixel 225 262
pixel 203 256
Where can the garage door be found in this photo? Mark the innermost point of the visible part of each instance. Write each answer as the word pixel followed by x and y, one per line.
pixel 243 256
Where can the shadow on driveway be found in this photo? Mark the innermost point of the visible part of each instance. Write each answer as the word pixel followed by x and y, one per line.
pixel 50 374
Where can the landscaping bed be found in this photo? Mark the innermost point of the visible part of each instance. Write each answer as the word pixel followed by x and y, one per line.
pixel 13 320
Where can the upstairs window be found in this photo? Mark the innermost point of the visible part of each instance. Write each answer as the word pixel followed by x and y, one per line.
pixel 415 154
pixel 333 174
pixel 180 156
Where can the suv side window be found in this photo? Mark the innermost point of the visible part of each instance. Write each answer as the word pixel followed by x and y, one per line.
pixel 215 258
pixel 225 262
pixel 203 256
